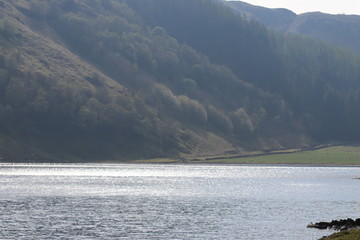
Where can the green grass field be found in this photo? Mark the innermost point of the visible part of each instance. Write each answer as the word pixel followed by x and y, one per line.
pixel 345 235
pixel 335 155
pixel 156 160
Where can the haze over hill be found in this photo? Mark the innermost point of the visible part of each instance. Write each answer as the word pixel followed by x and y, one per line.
pixel 119 80
pixel 340 30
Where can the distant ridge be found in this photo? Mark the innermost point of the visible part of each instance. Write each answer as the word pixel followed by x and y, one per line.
pixel 340 30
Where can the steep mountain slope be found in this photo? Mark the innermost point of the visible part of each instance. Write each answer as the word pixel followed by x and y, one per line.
pixel 56 105
pixel 125 79
pixel 340 30
pixel 319 83
pixel 88 80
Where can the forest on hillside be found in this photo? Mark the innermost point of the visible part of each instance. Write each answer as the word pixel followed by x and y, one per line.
pixel 340 30
pixel 117 79
pixel 320 82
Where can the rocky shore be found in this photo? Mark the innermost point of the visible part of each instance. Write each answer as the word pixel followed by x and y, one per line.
pixel 338 225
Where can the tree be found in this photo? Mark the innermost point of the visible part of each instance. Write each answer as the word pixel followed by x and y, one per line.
pixel 242 122
pixel 193 110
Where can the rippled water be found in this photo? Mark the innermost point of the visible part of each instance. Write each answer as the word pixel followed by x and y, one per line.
pixel 124 201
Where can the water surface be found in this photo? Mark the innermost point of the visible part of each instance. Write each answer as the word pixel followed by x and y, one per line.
pixel 125 201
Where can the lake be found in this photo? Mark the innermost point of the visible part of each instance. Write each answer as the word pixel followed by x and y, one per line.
pixel 140 201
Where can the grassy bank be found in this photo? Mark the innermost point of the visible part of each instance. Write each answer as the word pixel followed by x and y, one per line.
pixel 344 235
pixel 157 160
pixel 335 155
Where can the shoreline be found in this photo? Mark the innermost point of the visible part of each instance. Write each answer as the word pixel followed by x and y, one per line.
pixel 225 163
pixel 143 162
pixel 319 156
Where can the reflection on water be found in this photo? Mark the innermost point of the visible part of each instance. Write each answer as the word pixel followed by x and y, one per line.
pixel 89 201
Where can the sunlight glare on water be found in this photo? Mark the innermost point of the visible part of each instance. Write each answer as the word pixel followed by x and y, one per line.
pixel 134 201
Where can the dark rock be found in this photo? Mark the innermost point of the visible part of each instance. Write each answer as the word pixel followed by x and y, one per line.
pixel 342 224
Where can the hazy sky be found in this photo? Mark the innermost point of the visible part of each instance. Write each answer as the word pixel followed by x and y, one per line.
pixel 301 6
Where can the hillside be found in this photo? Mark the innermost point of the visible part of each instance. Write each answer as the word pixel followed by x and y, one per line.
pixel 319 83
pixel 340 30
pixel 90 80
